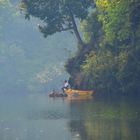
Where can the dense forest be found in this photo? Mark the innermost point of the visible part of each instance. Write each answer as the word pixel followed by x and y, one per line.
pixel 108 56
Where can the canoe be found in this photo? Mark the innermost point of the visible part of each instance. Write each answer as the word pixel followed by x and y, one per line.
pixel 72 92
pixel 79 98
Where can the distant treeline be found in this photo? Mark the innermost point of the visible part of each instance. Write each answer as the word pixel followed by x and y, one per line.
pixel 108 56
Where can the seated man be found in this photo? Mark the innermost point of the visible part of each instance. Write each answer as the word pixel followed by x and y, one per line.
pixel 66 86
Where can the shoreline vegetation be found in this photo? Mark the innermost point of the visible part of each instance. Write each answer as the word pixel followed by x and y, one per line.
pixel 108 56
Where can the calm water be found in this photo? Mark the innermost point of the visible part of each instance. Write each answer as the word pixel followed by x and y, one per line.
pixel 38 117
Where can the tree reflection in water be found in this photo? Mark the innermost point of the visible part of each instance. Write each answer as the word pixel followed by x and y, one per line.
pixel 91 120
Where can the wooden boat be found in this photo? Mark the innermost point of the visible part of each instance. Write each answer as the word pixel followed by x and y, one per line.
pixel 79 98
pixel 72 92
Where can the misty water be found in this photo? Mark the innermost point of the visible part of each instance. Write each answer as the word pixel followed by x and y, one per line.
pixel 39 117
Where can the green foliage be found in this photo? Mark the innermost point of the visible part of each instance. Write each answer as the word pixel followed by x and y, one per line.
pixel 96 63
pixel 112 64
pixel 57 15
pixel 91 28
pixel 99 67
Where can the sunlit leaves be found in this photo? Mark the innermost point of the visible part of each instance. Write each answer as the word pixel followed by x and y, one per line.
pixel 102 4
pixel 115 17
pixel 91 28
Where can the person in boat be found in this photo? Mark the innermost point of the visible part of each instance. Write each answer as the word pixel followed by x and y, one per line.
pixel 66 86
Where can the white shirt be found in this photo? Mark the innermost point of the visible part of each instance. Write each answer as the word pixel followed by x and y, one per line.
pixel 66 84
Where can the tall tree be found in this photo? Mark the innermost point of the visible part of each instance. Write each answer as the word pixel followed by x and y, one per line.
pixel 58 15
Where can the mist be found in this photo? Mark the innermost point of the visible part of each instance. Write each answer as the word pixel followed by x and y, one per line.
pixel 28 61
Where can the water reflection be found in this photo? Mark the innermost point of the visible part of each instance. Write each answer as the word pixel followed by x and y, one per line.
pixel 33 117
pixel 38 117
pixel 91 120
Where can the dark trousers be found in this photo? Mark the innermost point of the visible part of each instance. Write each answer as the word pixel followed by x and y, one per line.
pixel 64 88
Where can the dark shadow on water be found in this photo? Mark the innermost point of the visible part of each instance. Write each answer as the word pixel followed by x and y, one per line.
pixel 105 120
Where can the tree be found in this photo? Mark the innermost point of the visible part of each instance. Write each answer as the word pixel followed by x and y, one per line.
pixel 115 64
pixel 57 15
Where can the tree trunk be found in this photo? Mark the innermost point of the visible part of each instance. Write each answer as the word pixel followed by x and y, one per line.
pixel 80 41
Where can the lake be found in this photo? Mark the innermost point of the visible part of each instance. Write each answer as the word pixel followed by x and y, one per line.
pixel 39 117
